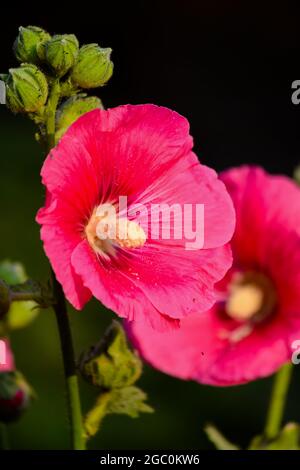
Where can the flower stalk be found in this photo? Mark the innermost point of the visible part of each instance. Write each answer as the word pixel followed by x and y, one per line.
pixel 60 309
pixel 51 111
pixel 278 400
pixel 73 397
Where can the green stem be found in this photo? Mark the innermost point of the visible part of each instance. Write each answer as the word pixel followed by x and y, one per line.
pixel 24 296
pixel 278 400
pixel 32 291
pixel 73 397
pixel 4 441
pixel 60 308
pixel 50 113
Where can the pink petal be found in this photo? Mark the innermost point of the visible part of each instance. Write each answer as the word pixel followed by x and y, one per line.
pixel 115 290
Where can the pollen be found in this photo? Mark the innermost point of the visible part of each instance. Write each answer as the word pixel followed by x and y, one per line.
pixel 105 231
pixel 252 297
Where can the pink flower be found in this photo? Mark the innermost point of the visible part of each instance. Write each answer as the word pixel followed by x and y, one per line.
pixel 144 153
pixel 249 334
pixel 7 363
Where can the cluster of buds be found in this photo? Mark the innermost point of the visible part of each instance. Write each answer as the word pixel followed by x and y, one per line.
pixel 46 59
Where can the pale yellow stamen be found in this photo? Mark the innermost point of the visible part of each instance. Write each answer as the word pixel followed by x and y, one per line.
pixel 252 297
pixel 244 302
pixel 106 231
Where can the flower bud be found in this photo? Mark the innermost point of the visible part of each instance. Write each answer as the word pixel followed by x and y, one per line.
pixel 29 38
pixel 72 109
pixel 26 89
pixel 93 67
pixel 15 396
pixel 5 298
pixel 61 52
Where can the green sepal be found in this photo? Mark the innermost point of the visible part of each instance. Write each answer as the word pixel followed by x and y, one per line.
pixel 8 385
pixel 111 363
pixel 15 395
pixel 288 439
pixel 72 109
pixel 29 39
pixel 216 437
pixel 93 67
pixel 60 52
pixel 128 401
pixel 26 89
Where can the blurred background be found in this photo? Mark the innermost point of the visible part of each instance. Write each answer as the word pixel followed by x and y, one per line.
pixel 229 70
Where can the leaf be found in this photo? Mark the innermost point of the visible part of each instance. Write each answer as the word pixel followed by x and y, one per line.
pixel 288 439
pixel 111 363
pixel 220 442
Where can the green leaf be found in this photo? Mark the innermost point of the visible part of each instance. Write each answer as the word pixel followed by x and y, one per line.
pixel 22 313
pixel 288 439
pixel 111 363
pixel 220 442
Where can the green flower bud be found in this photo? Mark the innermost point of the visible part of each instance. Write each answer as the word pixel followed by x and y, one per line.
pixel 29 38
pixel 5 298
pixel 61 52
pixel 26 89
pixel 72 109
pixel 93 67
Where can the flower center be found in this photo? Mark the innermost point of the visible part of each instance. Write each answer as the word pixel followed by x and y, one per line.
pixel 252 296
pixel 106 230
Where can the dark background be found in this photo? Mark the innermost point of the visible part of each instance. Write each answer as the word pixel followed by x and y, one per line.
pixel 228 68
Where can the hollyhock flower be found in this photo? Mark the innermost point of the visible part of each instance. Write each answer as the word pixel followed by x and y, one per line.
pixel 7 362
pixel 250 333
pixel 142 153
